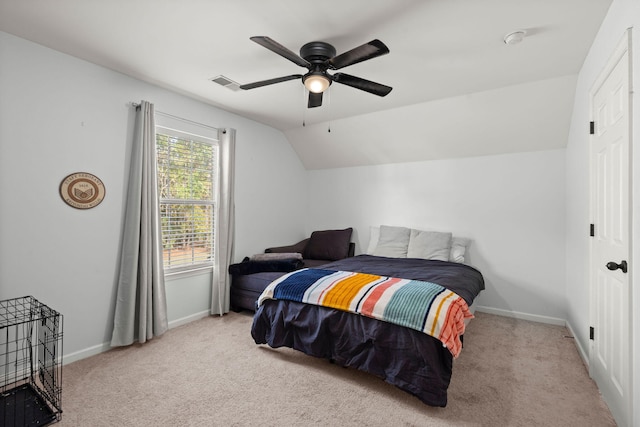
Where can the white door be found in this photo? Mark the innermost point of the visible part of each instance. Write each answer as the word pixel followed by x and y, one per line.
pixel 609 356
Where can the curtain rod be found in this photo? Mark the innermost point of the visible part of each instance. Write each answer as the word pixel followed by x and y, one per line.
pixel 171 116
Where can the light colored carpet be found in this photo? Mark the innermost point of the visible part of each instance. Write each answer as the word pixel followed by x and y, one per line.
pixel 211 373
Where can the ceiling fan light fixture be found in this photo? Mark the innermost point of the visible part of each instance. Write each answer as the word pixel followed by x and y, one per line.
pixel 316 82
pixel 318 57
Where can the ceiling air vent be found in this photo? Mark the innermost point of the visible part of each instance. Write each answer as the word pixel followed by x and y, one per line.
pixel 226 82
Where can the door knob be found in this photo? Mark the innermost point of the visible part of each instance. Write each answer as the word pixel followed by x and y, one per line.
pixel 613 266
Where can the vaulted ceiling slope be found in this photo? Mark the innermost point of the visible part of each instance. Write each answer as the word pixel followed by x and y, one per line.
pixel 458 89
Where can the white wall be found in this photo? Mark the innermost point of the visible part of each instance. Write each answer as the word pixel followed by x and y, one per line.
pixel 511 119
pixel 512 206
pixel 622 14
pixel 60 115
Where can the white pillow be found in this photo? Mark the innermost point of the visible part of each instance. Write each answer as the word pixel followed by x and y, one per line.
pixel 458 249
pixel 459 245
pixel 429 245
pixel 393 242
pixel 374 235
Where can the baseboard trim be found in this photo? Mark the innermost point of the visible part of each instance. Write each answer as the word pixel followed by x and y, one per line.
pixel 100 348
pixel 523 316
pixel 581 351
pixel 584 355
pixel 105 346
pixel 188 319
pixel 87 352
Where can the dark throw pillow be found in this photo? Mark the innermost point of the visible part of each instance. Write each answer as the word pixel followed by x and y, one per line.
pixel 330 245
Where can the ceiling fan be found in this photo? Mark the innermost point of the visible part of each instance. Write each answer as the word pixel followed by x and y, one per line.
pixel 318 57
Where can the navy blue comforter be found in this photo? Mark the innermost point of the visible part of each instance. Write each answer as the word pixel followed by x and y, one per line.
pixel 406 358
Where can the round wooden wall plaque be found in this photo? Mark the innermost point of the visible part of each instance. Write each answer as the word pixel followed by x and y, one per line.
pixel 82 190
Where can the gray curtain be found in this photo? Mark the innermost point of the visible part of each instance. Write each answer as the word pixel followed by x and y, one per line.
pixel 225 223
pixel 141 307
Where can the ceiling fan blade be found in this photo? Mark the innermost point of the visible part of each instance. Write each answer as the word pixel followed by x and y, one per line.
pixel 270 81
pixel 370 50
pixel 362 84
pixel 276 47
pixel 315 100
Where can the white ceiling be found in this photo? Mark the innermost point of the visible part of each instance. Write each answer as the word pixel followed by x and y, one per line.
pixel 455 83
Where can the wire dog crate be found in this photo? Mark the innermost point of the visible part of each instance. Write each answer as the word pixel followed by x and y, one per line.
pixel 30 363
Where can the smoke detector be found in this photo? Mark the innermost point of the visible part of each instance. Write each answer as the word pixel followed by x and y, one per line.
pixel 515 37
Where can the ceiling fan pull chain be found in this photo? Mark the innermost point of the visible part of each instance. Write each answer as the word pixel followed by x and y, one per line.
pixel 304 107
pixel 329 110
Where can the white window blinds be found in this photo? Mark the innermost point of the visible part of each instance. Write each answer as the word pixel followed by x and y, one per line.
pixel 187 177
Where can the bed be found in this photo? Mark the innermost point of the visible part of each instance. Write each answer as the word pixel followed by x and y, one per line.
pixel 410 359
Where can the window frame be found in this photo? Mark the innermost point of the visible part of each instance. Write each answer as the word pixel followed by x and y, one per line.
pixel 172 132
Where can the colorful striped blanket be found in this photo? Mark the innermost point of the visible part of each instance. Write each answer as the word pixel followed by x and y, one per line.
pixel 423 306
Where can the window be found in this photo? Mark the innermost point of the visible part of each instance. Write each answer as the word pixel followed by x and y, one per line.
pixel 187 171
